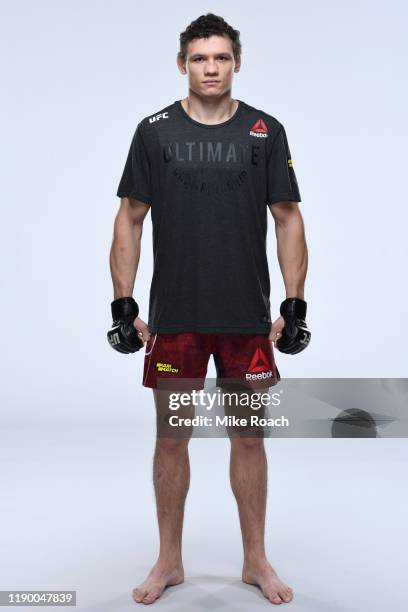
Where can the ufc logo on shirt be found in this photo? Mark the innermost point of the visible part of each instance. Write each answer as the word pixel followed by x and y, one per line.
pixel 159 116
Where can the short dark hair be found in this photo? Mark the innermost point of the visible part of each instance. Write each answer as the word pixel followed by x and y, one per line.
pixel 205 26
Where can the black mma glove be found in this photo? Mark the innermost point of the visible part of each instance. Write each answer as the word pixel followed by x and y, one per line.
pixel 295 335
pixel 123 336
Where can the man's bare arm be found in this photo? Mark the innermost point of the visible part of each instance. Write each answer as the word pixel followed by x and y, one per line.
pixel 292 254
pixel 291 246
pixel 126 244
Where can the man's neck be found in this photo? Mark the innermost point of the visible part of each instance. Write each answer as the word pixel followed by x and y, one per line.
pixel 207 110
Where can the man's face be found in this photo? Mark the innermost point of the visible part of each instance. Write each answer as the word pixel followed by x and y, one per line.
pixel 210 65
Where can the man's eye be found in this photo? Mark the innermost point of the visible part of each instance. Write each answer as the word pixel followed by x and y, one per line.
pixel 199 59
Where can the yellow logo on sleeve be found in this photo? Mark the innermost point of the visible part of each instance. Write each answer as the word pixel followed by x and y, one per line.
pixel 290 164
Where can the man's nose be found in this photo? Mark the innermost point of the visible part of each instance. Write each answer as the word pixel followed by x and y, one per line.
pixel 211 67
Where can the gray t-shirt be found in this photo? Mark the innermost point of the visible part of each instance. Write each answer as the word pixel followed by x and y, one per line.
pixel 208 187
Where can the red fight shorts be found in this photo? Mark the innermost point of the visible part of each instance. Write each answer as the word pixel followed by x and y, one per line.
pixel 245 359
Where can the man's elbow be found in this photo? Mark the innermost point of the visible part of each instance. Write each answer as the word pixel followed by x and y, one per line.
pixel 285 213
pixel 132 212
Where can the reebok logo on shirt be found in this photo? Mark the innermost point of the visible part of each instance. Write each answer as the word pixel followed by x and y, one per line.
pixel 259 129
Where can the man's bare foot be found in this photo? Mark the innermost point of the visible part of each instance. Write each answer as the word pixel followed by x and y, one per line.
pixel 161 575
pixel 262 574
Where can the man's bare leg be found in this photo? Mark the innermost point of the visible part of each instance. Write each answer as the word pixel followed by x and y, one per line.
pixel 171 478
pixel 248 474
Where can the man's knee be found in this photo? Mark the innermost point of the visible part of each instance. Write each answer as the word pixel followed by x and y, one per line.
pixel 172 445
pixel 246 443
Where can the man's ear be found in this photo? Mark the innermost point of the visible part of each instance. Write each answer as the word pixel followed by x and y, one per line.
pixel 237 64
pixel 181 64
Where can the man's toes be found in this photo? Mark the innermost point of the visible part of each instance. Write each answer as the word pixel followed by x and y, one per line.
pixel 286 594
pixel 152 595
pixel 139 594
pixel 274 597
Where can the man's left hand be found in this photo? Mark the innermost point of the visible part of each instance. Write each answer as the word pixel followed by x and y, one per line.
pixel 276 329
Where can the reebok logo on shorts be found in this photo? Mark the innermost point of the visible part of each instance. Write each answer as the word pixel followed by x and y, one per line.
pixel 166 367
pixel 259 129
pixel 259 368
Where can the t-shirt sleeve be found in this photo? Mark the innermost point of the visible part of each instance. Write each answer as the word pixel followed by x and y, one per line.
pixel 281 183
pixel 135 181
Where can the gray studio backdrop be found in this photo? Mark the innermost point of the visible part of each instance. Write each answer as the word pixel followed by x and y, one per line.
pixel 77 77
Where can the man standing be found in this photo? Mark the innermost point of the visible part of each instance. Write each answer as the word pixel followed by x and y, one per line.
pixel 207 167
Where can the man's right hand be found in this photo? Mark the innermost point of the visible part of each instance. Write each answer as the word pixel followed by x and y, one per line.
pixel 124 335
